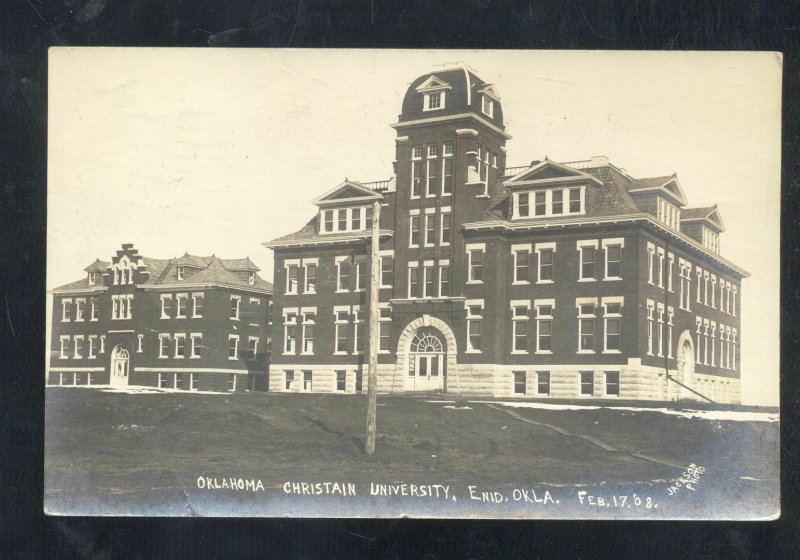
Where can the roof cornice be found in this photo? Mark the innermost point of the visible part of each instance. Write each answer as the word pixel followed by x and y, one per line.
pixel 320 240
pixel 97 290
pixel 196 285
pixel 649 220
pixel 448 118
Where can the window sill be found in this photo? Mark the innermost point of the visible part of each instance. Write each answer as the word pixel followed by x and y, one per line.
pixel 301 353
pixel 545 282
pixel 341 354
pixel 342 291
pixel 482 195
pixel 473 352
pixel 585 352
pixel 543 352
pixel 474 282
pixel 615 352
pixel 519 352
pixel 612 279
pixel 520 283
pixel 587 279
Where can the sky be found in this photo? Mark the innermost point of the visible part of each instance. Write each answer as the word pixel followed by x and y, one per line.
pixel 217 150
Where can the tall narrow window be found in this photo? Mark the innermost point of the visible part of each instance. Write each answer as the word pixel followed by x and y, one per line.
pixel 387 262
pixel 288 380
pixel 650 326
pixel 446 226
pixel 77 346
pixel 444 280
pixel 706 326
pixel 165 301
pixel 180 345
pixel 521 266
pixel 519 383
pixel 475 264
pixel 308 377
pixel 181 303
pixel 93 309
pixel 343 275
pixel 651 250
pixel 414 231
pixel 544 328
pixel 290 332
pixel 519 327
pixel 327 220
pixel 698 340
pixel 558 202
pixel 430 230
pixel 341 324
pixel 670 323
pixel 355 221
pixel 292 272
pixel 233 346
pixel 713 343
pixel 660 331
pixel 587 263
pixel 310 278
pixel 586 317
pixel 474 320
pixel 235 305
pixel 196 349
pixel 660 267
pixel 545 268
pixel 670 268
pixel 361 276
pixel 613 261
pixel 341 381
pixel 523 205
pixel 163 345
pixel 540 203
pixel 359 330
pixel 433 176
pixel 309 321
pixel 574 201
pixel 429 282
pixel 612 323
pixel 612 383
pixel 447 174
pixel 413 281
pixel 79 309
pixel 542 382
pixel 341 219
pixel 65 308
pixel 197 304
pixel 385 326
pixel 416 178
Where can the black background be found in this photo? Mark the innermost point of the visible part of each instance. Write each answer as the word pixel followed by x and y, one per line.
pixel 29 27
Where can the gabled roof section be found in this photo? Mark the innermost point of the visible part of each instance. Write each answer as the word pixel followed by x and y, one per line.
pixel 668 185
pixel 239 265
pixel 347 191
pixel 491 91
pixel 193 261
pixel 97 266
pixel 548 171
pixel 433 84
pixel 708 214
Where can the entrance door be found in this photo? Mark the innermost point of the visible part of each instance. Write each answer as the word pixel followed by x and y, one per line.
pixel 426 362
pixel 120 362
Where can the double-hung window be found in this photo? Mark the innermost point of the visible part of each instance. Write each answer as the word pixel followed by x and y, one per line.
pixel 545 256
pixel 343 273
pixel 447 169
pixel 64 343
pixel 612 324
pixel 520 384
pixel 290 331
pixel 387 270
pixel 520 310
pixel 233 346
pixel 309 315
pixel 523 205
pixel 359 330
pixel 165 301
pixel 413 280
pixel 292 276
pixel 651 310
pixel 181 303
pixel 196 349
pixel 613 253
pixel 361 275
pixel 341 324
pixel 432 181
pixel 430 227
pixel 428 280
pixel 77 346
pixel 385 328
pixel 587 383
pixel 612 383
pixel 236 302
pixel 651 251
pixel 417 172
pixel 522 263
pixel 474 315
pixel 660 329
pixel 444 278
pixel 180 345
pixel 544 326
pixel 542 382
pixel 587 250
pixel 586 324
pixel 475 262
pixel 445 226
pixel 414 230
pixel 197 304
pixel 163 345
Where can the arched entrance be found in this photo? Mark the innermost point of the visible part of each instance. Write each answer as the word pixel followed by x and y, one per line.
pixel 426 361
pixel 120 366
pixel 685 371
pixel 425 343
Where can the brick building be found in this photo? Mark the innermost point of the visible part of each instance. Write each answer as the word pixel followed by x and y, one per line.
pixel 561 280
pixel 192 323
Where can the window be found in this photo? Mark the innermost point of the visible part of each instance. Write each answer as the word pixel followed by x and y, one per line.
pixel 196 345
pixel 670 322
pixel 359 330
pixel 522 257
pixel 543 383
pixel 341 381
pixel 385 327
pixel 292 273
pixel 660 329
pixel 733 302
pixel 705 287
pixel 523 205
pixel 429 282
pixel 252 348
pixel 448 149
pixel 163 345
pixel 327 221
pixel 685 273
pixel 163 381
pixel 416 177
pixel 519 383
pixel 575 201
pixel 361 275
pixel 387 262
pixel 587 383
pixel 557 202
pixel 93 346
pixel 613 251
pixel 233 346
pixel 235 304
pixel 474 318
pixel 699 339
pixel 713 291
pixel 444 279
pixel 519 326
pixel 650 320
pixel 308 377
pixel 612 383
pixel 713 343
pixel 670 268
pixel 487 106
pixel 342 321
pixel 309 322
pixel 432 181
pixel 414 231
pixel 180 345
pixel 660 267
pixel 586 317
pixel 341 219
pixel 181 272
pixel 475 263
pixel 289 331
pixel 64 342
pixel 342 274
pixel 77 341
pixel 445 225
pixel 193 381
pixel 706 326
pixel 92 278
pixel 413 280
pixel 540 203
pixel 310 286
pixel 198 299
pixel 545 255
pixel 121 306
pixel 651 250
pixel 288 377
pixel 433 101
pixel 447 172
pixel 612 323
pixel 93 309
pixel 544 326
pixel 430 230
pixel 180 305
pixel 232 382
pixel 732 348
pixel 79 309
pixel 587 261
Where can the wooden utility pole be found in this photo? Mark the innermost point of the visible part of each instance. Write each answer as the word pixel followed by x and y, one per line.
pixel 374 329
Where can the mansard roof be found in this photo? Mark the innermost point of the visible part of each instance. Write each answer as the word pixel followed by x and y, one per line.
pixel 308 236
pixel 157 272
pixel 708 214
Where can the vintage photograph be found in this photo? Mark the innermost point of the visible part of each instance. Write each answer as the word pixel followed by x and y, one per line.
pixel 403 283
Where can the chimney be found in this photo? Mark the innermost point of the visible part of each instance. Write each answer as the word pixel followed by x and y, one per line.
pixel 599 161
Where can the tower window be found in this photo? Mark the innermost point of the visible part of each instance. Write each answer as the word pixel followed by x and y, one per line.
pixel 434 101
pixel 488 106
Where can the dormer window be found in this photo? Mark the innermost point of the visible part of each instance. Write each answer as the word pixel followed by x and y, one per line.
pixel 549 203
pixel 434 101
pixel 668 213
pixel 251 278
pixel 487 106
pixel 711 240
pixel 181 272
pixel 345 219
pixel 92 278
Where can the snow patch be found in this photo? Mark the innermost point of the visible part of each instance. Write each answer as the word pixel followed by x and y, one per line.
pixel 452 407
pixel 732 415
